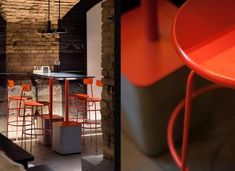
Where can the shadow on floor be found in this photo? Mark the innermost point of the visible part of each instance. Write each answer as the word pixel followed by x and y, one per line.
pixel 211 145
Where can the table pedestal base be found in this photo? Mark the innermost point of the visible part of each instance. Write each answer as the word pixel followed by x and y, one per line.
pixel 46 139
pixel 66 137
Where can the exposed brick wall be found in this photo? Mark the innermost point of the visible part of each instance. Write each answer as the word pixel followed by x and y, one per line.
pixel 27 46
pixel 35 11
pixel 2 44
pixel 107 104
pixel 2 61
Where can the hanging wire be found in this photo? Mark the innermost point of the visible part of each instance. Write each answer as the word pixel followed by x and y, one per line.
pixel 59 9
pixel 59 27
pixel 48 10
pixel 48 29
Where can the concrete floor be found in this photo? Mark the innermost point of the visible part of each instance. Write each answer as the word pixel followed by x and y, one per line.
pixel 211 145
pixel 56 161
pixel 65 162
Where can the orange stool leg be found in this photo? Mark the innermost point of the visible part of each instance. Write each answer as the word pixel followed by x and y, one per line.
pixel 17 118
pixel 83 120
pixel 23 128
pixel 77 111
pixel 31 129
pixel 89 112
pixel 95 129
pixel 8 110
pixel 44 133
pixel 187 115
pixel 181 162
pixel 72 100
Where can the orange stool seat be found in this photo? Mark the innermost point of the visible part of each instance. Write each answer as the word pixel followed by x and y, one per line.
pixel 204 37
pixel 76 97
pixel 93 99
pixel 45 103
pixel 32 103
pixel 18 98
pixel 15 103
pixel 81 96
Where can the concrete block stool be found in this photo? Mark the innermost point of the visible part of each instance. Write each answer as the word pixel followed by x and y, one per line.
pixel 146 110
pixel 66 137
pixel 152 78
pixel 46 139
pixel 40 168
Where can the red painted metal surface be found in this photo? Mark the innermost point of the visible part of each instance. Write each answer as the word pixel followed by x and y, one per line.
pixel 187 113
pixel 88 81
pixel 174 116
pixel 10 83
pixel 69 123
pixel 99 83
pixel 51 101
pixel 151 19
pixel 204 37
pixel 144 62
pixel 66 101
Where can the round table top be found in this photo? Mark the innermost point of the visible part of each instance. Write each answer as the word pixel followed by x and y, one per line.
pixel 204 36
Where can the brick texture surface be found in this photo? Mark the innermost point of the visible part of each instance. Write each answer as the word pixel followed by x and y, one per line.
pixel 26 45
pixel 108 93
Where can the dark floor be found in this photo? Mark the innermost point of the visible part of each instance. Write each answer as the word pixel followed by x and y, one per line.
pixel 211 145
pixel 65 162
pixel 60 162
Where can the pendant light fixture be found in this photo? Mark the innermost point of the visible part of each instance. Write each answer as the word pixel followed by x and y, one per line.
pixel 59 26
pixel 48 30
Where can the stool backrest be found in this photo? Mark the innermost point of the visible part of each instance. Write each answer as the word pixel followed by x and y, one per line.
pixel 10 83
pixel 89 81
pixel 99 83
pixel 26 87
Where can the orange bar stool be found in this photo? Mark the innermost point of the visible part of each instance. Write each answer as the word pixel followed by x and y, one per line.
pixel 32 111
pixel 77 106
pixel 35 129
pixel 14 106
pixel 90 107
pixel 27 114
pixel 203 35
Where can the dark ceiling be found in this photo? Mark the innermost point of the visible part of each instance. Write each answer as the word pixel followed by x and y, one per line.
pixel 127 5
pixel 87 4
